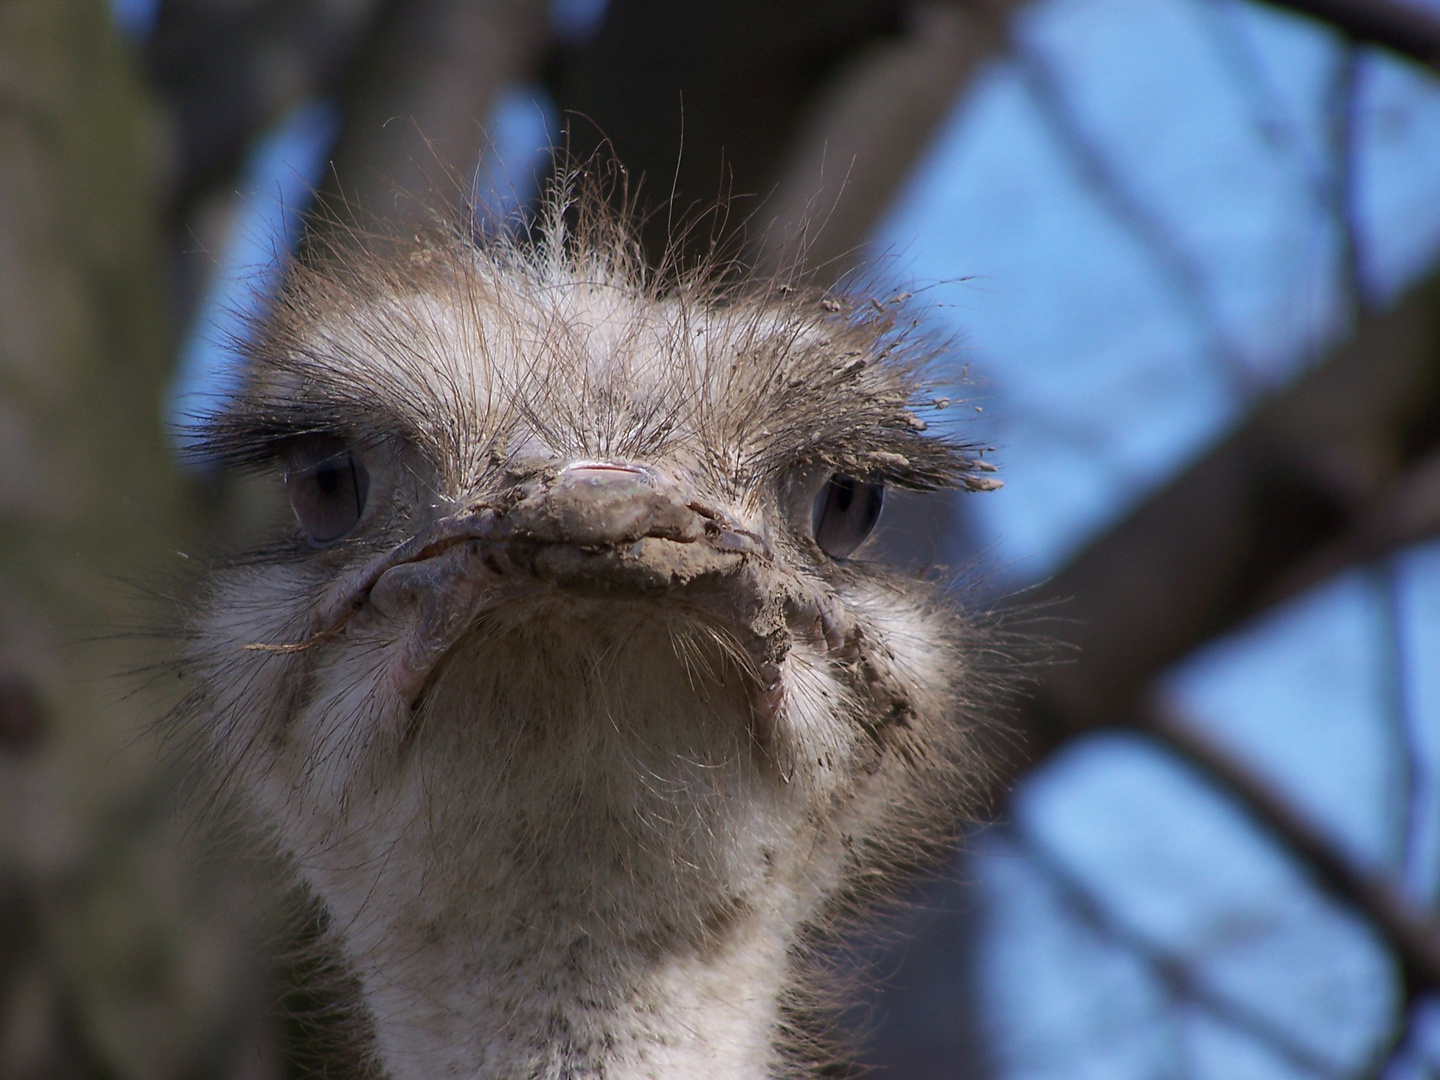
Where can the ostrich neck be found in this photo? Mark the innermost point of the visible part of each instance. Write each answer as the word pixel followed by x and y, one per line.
pixel 576 877
pixel 602 963
pixel 539 1005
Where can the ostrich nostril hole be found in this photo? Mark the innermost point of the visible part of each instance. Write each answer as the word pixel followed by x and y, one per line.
pixel 605 471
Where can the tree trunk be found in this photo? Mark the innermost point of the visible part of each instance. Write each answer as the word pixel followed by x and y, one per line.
pixel 117 956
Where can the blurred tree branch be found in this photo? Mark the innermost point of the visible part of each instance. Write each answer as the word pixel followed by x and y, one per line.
pixel 1335 466
pixel 1412 933
pixel 115 916
pixel 702 98
pixel 1180 975
pixel 859 139
pixel 1340 467
pixel 817 113
pixel 227 71
pixel 1402 27
pixel 416 100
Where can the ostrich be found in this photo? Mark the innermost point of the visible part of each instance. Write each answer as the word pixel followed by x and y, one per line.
pixel 565 692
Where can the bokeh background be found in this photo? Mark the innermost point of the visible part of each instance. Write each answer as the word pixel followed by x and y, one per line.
pixel 1187 253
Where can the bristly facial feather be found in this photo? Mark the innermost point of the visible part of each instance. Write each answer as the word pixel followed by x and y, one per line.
pixel 566 695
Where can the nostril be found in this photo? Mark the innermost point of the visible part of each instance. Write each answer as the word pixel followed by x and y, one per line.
pixel 606 471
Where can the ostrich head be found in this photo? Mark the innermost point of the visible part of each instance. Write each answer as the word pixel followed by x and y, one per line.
pixel 565 690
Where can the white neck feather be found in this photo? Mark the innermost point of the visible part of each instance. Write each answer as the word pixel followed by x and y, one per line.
pixel 594 873
pixel 547 1009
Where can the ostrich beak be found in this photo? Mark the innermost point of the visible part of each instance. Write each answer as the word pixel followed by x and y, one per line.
pixel 596 528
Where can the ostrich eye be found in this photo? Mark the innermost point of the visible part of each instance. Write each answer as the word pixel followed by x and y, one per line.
pixel 846 510
pixel 328 495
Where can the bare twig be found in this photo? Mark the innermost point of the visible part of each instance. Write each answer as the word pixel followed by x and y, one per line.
pixel 1180 271
pixel 1400 1044
pixel 1175 972
pixel 1411 932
